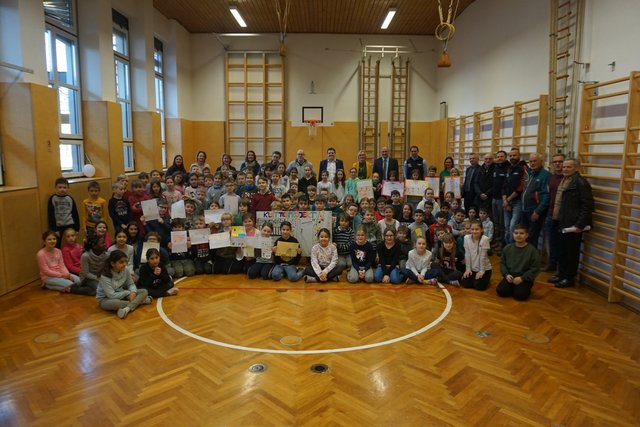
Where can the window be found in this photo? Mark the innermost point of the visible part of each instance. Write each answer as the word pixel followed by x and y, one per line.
pixel 123 83
pixel 158 67
pixel 63 73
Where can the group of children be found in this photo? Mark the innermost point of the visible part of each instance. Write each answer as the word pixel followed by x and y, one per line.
pixel 373 239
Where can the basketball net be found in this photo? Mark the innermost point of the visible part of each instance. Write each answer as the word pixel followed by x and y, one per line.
pixel 311 124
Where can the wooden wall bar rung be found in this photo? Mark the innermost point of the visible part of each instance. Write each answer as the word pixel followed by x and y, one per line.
pixel 605 178
pixel 611 142
pixel 607 130
pixel 624 292
pixel 601 165
pixel 596 279
pixel 598 246
pixel 627 243
pixel 631 257
pixel 605 237
pixel 599 154
pixel 608 95
pixel 594 256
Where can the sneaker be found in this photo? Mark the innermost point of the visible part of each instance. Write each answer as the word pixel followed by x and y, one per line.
pixel 309 279
pixel 432 282
pixel 455 283
pixel 148 300
pixel 122 312
pixel 173 291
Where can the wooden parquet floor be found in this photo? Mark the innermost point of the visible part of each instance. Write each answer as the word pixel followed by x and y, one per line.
pixel 63 361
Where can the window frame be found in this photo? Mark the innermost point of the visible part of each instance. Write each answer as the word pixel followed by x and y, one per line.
pixel 120 24
pixel 158 47
pixel 61 30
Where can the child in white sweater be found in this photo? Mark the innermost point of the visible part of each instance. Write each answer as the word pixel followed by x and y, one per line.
pixel 417 268
pixel 324 260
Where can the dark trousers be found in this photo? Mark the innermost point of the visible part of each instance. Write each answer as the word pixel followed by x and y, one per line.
pixel 432 273
pixel 159 291
pixel 568 254
pixel 551 231
pixel 520 292
pixel 227 265
pixel 479 285
pixel 203 266
pixel 535 227
pixel 497 217
pixel 86 287
pixel 260 269
pixel 309 271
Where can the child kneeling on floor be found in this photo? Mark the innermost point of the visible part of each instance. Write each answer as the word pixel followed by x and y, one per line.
pixel 116 291
pixel 417 269
pixel 519 265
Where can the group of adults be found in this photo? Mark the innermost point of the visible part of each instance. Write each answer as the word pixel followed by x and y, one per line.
pixel 559 202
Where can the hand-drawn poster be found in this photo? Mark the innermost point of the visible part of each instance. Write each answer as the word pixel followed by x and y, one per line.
pixel 389 186
pixel 365 188
pixel 178 242
pixel 452 183
pixel 304 225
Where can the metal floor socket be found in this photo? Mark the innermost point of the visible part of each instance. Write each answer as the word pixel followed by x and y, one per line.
pixel 319 368
pixel 257 368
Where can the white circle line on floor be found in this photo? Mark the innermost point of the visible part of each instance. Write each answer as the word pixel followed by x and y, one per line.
pixel 183 331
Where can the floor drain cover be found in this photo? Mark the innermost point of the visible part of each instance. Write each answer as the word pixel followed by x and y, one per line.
pixel 282 290
pixel 537 338
pixel 290 340
pixel 483 334
pixel 45 338
pixel 257 368
pixel 321 290
pixel 319 368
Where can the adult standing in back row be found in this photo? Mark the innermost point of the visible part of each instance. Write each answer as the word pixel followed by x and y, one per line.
pixel 384 164
pixel 572 211
pixel 330 164
pixel 414 161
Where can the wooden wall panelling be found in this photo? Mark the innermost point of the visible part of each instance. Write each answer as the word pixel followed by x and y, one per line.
pixel 147 140
pixel 19 211
pixel 625 281
pixel 16 132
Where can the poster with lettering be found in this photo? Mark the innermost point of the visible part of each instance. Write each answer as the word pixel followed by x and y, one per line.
pixel 304 225
pixel 434 184
pixel 365 188
pixel 452 183
pixel 413 187
pixel 389 186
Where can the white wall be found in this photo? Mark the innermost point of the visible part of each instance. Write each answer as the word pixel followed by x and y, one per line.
pixel 331 61
pixel 611 34
pixel 499 55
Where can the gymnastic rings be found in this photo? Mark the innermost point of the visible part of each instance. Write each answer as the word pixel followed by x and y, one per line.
pixel 444 31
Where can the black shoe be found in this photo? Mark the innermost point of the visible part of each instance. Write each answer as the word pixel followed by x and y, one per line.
pixel 565 283
pixel 554 279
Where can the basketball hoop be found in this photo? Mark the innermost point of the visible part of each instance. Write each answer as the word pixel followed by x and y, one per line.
pixel 311 124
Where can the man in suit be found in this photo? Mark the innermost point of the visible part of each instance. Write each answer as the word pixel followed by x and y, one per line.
pixel 331 164
pixel 384 164
pixel 471 175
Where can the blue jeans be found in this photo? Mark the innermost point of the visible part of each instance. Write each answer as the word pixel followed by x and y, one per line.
pixel 511 219
pixel 534 227
pixel 394 276
pixel 432 273
pixel 59 284
pixel 292 272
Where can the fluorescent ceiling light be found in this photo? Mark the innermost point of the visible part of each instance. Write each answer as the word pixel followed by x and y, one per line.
pixel 387 20
pixel 236 14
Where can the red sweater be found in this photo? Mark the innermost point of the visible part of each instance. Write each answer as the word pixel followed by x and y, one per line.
pixel 71 255
pixel 262 202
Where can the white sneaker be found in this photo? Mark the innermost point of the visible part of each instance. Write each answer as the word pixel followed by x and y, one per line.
pixel 122 312
pixel 173 291
pixel 148 300
pixel 455 283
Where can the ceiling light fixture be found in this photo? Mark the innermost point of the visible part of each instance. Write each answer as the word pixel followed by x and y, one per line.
pixel 236 14
pixel 390 14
